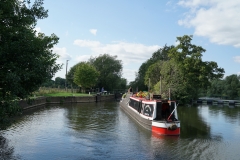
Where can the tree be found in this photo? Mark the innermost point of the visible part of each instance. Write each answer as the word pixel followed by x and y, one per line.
pixel 173 79
pixel 232 86
pixel 110 70
pixel 60 82
pixel 70 74
pixel 49 83
pixel 141 80
pixel 85 75
pixel 192 71
pixel 33 62
pixel 161 54
pixel 153 73
pixel 216 89
pixel 123 83
pixel 27 60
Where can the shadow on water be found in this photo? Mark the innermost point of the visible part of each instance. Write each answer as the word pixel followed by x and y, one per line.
pixel 192 124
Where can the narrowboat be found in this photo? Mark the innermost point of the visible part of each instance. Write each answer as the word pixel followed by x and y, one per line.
pixel 155 114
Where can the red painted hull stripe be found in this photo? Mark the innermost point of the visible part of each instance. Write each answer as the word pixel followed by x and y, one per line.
pixel 165 131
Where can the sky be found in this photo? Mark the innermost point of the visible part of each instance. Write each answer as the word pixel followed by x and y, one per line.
pixel 133 30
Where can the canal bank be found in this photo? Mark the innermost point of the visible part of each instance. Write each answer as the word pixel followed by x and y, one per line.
pixel 42 101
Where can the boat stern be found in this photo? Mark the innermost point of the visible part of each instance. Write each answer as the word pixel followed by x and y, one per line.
pixel 166 128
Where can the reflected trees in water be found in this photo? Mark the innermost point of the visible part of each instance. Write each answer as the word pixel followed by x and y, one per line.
pixel 194 125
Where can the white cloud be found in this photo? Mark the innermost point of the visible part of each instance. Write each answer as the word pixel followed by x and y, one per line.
pixel 219 20
pixel 130 53
pixel 130 74
pixel 196 3
pixel 82 58
pixel 237 59
pixel 93 31
pixel 86 43
pixel 62 52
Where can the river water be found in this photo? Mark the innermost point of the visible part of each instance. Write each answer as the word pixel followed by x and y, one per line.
pixel 103 130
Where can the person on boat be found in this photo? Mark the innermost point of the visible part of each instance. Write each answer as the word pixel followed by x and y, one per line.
pixel 102 89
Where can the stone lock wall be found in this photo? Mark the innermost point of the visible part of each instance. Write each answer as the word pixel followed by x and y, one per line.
pixel 27 104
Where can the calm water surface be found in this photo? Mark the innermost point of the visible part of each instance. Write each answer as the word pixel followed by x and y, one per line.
pixel 104 131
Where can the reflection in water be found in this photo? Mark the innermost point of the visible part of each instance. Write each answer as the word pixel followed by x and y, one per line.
pixel 192 124
pixel 87 117
pixel 6 152
pixel 104 131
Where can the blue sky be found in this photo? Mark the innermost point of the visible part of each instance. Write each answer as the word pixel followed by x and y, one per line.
pixel 134 29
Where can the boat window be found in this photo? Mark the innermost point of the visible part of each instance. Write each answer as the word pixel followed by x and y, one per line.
pixel 134 104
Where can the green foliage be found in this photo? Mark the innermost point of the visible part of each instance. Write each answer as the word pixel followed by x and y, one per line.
pixel 193 73
pixel 144 72
pixel 33 62
pixel 70 74
pixel 153 73
pixel 85 75
pixel 110 70
pixel 232 86
pixel 49 83
pixel 27 60
pixel 172 78
pixel 229 87
pixel 8 108
pixel 181 69
pixel 60 82
pixel 123 83
pixel 216 89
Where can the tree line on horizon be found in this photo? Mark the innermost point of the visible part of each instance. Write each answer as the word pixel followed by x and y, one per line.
pixel 181 69
pixel 102 71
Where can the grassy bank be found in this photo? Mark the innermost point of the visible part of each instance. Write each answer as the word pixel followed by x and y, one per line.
pixel 56 92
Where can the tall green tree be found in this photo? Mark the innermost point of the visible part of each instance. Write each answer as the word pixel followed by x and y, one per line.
pixel 85 75
pixel 70 74
pixel 142 76
pixel 110 69
pixel 27 60
pixel 153 73
pixel 192 71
